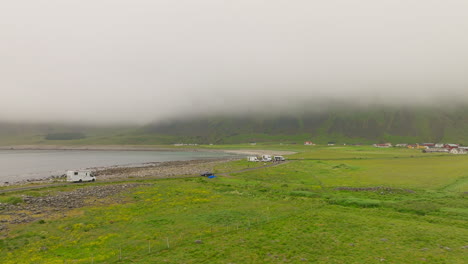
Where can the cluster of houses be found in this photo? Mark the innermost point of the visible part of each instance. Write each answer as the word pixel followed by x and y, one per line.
pixel 448 148
pixel 265 158
pixel 429 147
pixel 425 147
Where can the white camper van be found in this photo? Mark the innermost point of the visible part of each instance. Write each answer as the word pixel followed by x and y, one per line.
pixel 266 158
pixel 80 176
pixel 252 158
pixel 279 158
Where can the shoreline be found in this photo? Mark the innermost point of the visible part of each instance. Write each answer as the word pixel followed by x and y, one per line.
pixel 165 169
pixel 90 147
pixel 144 148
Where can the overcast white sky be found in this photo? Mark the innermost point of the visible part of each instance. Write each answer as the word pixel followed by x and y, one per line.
pixel 137 61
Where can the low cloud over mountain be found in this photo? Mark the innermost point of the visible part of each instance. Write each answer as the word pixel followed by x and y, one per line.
pixel 122 61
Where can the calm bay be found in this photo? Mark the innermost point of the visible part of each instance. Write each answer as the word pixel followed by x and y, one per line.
pixel 21 165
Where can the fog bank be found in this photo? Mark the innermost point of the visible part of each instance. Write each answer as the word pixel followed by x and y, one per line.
pixel 122 61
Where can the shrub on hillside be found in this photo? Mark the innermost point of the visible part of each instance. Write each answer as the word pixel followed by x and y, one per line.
pixel 65 136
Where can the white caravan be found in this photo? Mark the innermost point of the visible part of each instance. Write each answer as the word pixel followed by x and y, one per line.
pixel 252 158
pixel 279 158
pixel 266 158
pixel 80 176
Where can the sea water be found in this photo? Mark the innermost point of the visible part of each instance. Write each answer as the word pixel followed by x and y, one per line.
pixel 21 165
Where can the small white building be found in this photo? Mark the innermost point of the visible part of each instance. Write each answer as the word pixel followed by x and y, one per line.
pixel 80 176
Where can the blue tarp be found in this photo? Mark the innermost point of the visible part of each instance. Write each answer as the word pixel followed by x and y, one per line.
pixel 211 177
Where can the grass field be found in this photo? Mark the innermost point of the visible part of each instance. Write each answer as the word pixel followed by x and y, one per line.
pixel 325 205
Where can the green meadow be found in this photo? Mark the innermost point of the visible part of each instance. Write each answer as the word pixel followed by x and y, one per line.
pixel 341 204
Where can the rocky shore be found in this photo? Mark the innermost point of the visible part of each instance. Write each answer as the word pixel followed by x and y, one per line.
pixel 157 170
pixel 29 208
pixel 168 169
pixel 57 205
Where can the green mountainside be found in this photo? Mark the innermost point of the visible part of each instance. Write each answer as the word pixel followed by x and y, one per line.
pixel 346 125
pixel 405 125
pixel 54 133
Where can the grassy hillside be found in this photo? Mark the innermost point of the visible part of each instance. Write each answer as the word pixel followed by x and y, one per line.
pixel 53 133
pixel 344 126
pixel 326 205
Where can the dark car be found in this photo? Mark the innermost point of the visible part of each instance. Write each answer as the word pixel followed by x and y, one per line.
pixel 206 174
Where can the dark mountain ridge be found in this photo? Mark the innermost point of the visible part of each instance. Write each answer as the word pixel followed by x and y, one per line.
pixel 405 124
pixel 342 125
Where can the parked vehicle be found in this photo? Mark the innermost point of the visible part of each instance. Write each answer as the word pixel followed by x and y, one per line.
pixel 279 158
pixel 207 174
pixel 252 158
pixel 80 176
pixel 266 158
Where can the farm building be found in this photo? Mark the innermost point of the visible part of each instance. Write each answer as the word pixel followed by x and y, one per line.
pixel 417 146
pixel 451 146
pixel 432 150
